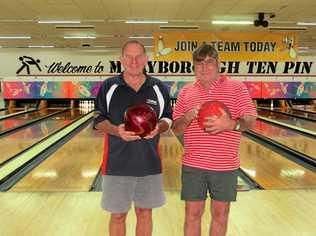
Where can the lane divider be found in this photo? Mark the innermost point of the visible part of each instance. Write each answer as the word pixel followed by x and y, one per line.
pixel 17 113
pixel 288 125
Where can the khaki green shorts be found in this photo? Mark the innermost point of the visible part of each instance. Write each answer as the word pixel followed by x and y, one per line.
pixel 197 183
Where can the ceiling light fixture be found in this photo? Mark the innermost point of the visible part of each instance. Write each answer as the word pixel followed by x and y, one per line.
pixel 15 37
pixel 41 46
pixel 303 48
pixel 79 37
pixel 231 22
pixel 306 23
pixel 182 27
pixel 146 21
pixel 285 28
pixel 74 26
pixel 141 37
pixel 59 21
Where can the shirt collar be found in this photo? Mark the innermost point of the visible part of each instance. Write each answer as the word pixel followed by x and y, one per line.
pixel 214 83
pixel 148 81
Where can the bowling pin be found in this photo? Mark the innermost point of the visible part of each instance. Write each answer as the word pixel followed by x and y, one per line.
pixel 160 44
pixel 284 88
pixel 292 53
pixel 161 50
pixel 174 89
pixel 26 88
pixel 300 89
pixel 165 51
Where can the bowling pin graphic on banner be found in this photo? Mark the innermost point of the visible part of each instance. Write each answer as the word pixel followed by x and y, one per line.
pixel 289 42
pixel 83 90
pixel 284 88
pixel 300 89
pixel 161 50
pixel 26 87
pixel 43 89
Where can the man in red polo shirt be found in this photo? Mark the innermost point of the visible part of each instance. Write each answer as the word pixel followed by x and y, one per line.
pixel 210 160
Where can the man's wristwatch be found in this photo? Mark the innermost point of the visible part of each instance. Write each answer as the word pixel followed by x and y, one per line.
pixel 237 126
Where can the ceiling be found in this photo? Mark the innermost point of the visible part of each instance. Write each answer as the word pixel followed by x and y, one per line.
pixel 106 19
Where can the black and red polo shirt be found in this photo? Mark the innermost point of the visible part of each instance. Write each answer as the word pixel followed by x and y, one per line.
pixel 135 158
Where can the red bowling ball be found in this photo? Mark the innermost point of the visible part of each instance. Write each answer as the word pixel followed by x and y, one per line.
pixel 141 119
pixel 211 108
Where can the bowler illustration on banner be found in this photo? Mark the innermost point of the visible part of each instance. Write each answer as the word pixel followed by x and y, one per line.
pixel 289 42
pixel 161 50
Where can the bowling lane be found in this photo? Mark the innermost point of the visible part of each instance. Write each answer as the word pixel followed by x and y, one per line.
pixel 20 140
pixel 267 168
pixel 13 122
pixel 271 170
pixel 287 137
pixel 311 108
pixel 303 114
pixel 73 167
pixel 171 151
pixel 294 112
pixel 300 123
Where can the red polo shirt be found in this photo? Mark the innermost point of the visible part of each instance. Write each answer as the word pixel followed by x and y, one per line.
pixel 208 151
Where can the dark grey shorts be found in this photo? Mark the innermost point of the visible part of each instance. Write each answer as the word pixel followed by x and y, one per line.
pixel 196 183
pixel 120 191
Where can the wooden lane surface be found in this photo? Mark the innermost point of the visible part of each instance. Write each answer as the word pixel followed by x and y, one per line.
pixel 16 121
pixel 300 113
pixel 18 141
pixel 303 114
pixel 271 170
pixel 287 137
pixel 256 212
pixel 171 151
pixel 73 167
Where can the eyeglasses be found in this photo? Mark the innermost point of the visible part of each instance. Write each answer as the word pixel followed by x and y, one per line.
pixel 210 61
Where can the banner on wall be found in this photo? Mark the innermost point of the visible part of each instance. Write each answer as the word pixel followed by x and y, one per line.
pixel 175 46
pixel 89 89
pixel 172 67
pixel 29 65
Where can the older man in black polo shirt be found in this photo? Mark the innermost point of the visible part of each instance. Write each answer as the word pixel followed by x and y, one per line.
pixel 131 166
